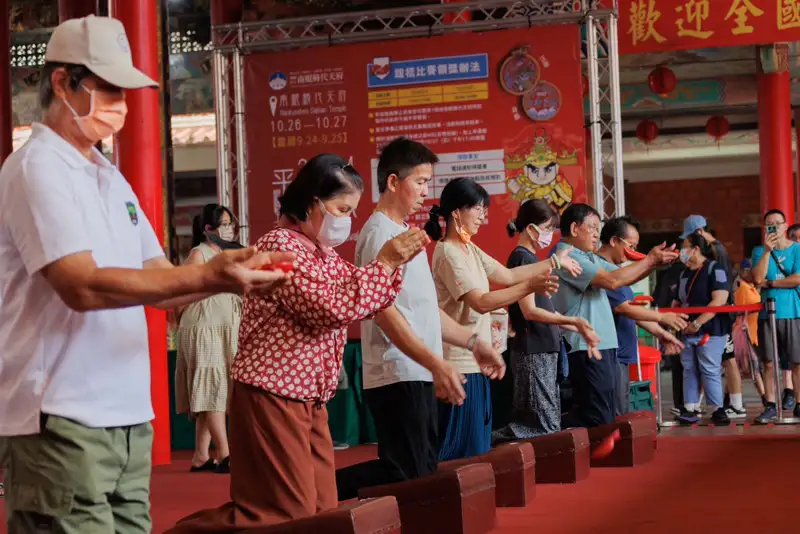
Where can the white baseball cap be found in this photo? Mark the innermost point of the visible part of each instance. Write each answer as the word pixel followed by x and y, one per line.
pixel 101 45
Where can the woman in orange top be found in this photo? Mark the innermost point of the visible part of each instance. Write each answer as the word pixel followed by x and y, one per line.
pixel 747 293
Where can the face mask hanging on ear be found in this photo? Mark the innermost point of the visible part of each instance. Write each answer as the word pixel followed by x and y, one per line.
pixel 105 118
pixel 465 236
pixel 334 230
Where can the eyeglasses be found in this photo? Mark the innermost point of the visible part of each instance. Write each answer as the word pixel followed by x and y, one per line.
pixel 632 247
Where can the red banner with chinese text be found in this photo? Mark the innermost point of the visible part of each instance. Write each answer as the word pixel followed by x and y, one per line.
pixel 503 108
pixel 663 25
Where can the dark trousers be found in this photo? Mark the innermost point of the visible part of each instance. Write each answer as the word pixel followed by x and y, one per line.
pixel 593 388
pixel 677 381
pixel 623 405
pixel 406 421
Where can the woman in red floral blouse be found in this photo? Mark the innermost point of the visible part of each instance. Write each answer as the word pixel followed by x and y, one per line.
pixel 291 343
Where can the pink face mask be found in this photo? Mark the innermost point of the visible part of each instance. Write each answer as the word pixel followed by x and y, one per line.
pixel 105 118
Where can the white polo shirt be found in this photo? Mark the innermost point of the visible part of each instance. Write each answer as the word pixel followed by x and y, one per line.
pixel 91 367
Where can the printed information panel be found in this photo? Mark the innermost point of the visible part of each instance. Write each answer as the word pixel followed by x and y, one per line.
pixel 504 108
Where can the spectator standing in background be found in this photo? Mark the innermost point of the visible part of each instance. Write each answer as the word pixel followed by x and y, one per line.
pixel 703 284
pixel 747 293
pixel 793 233
pixel 697 224
pixel 207 340
pixel 776 270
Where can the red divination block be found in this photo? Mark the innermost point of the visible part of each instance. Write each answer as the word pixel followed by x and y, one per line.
pixel 638 436
pixel 514 475
pixel 450 501
pixel 562 457
pixel 372 516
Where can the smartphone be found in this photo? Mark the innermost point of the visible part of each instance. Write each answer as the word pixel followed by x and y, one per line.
pixel 772 229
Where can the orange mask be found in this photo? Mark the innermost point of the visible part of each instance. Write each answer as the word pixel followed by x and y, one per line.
pixel 105 118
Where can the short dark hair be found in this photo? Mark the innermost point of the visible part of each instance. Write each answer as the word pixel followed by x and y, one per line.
pixel 211 215
pixel 323 177
pixel 535 211
pixel 617 227
pixel 75 73
pixel 458 194
pixel 400 157
pixel 774 212
pixel 576 213
pixel 793 228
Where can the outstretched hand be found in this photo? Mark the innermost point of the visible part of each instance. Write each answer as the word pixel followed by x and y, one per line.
pixel 568 263
pixel 662 254
pixel 403 248
pixel 246 270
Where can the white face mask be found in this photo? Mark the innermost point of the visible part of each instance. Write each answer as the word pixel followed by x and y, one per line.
pixel 685 256
pixel 545 237
pixel 226 232
pixel 334 230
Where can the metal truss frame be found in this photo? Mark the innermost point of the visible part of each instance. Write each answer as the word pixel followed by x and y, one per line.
pixel 599 17
pixel 605 114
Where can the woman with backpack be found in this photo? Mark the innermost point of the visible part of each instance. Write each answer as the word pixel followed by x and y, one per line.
pixel 704 283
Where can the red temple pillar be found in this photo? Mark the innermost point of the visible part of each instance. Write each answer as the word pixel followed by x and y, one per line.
pixel 775 139
pixel 137 151
pixel 75 9
pixel 6 119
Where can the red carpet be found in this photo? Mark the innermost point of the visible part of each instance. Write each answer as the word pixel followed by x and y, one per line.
pixel 696 484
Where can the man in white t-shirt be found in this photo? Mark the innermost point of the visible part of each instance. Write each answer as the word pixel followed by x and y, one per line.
pixel 402 363
pixel 79 260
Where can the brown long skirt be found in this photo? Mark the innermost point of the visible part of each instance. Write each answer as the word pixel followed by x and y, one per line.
pixel 281 464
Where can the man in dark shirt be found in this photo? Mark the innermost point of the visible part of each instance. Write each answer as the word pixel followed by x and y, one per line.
pixel 618 234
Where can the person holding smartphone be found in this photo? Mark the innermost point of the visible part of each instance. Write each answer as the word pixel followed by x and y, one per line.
pixel 776 269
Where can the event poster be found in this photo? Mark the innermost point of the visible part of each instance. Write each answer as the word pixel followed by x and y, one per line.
pixel 503 108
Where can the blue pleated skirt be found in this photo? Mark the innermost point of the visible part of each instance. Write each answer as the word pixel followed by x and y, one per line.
pixel 466 430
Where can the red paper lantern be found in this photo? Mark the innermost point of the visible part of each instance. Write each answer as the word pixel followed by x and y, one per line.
pixel 647 131
pixel 662 81
pixel 718 127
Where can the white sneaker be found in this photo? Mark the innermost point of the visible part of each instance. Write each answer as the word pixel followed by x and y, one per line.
pixel 735 413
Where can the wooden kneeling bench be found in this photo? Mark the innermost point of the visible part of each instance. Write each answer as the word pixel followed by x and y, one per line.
pixel 562 457
pixel 372 516
pixel 638 438
pixel 450 501
pixel 514 476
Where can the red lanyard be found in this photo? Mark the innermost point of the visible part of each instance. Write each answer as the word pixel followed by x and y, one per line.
pixel 691 285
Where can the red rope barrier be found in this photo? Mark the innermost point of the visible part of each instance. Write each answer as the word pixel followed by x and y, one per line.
pixel 715 309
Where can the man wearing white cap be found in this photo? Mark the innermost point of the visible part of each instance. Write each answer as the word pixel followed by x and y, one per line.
pixel 79 260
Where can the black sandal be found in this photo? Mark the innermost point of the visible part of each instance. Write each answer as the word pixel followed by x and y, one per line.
pixel 224 466
pixel 210 465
